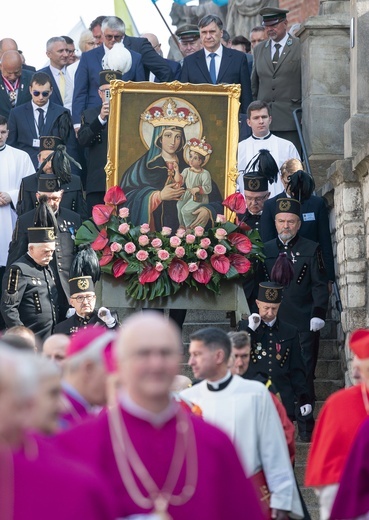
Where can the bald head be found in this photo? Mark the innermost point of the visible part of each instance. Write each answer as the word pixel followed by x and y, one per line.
pixel 153 39
pixel 11 65
pixel 55 347
pixel 7 44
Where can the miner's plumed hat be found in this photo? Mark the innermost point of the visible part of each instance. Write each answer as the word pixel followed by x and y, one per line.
pixel 288 205
pixel 270 292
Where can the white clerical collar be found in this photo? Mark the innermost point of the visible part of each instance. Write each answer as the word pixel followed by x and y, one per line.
pixel 270 323
pixel 216 385
pixel 261 138
pixel 3 148
pixel 156 419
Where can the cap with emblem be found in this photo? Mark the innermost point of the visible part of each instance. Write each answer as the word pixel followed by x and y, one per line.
pixel 106 76
pixel 188 33
pixel 270 292
pixel 39 235
pixel 81 284
pixel 49 142
pixel 288 205
pixel 272 15
pixel 359 343
pixel 48 183
pixel 255 183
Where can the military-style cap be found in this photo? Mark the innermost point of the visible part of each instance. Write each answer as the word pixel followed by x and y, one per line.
pixel 49 142
pixel 272 15
pixel 359 343
pixel 255 183
pixel 40 235
pixel 188 33
pixel 288 205
pixel 48 183
pixel 106 76
pixel 81 284
pixel 270 292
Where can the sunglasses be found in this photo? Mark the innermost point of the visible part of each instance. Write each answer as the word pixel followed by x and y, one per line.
pixel 116 37
pixel 45 93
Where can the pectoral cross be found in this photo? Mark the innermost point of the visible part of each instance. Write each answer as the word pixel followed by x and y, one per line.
pixel 294 260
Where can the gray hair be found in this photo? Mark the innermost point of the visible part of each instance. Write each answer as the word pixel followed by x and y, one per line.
pixel 85 36
pixel 114 23
pixel 51 41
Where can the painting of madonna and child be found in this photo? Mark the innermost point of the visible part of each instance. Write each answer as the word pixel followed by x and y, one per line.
pixel 174 158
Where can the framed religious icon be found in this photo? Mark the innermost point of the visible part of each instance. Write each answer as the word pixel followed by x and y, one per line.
pixel 173 150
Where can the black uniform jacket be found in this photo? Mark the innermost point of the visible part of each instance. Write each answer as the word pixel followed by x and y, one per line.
pixel 75 323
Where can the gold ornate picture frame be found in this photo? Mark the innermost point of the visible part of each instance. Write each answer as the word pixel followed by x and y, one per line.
pixel 206 119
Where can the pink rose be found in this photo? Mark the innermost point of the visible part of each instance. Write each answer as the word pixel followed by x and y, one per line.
pixel 175 241
pixel 220 250
pixel 201 254
pixel 145 228
pixel 190 239
pixel 124 228
pixel 205 243
pixel 220 233
pixel 143 240
pixel 199 231
pixel 180 252
pixel 124 212
pixel 221 218
pixel 159 266
pixel 129 248
pixel 142 255
pixel 156 243
pixel 163 255
pixel 181 232
pixel 166 231
pixel 115 247
pixel 192 267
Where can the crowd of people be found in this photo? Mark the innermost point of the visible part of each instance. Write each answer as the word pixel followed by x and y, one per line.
pixel 96 408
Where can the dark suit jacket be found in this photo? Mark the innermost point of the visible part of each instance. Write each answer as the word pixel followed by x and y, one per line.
pixel 23 93
pixel 233 69
pixel 281 88
pixel 151 60
pixel 86 83
pixel 22 129
pixel 55 96
pixel 314 226
pixel 176 69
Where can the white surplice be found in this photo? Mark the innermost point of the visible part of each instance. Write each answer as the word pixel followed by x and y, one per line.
pixel 246 412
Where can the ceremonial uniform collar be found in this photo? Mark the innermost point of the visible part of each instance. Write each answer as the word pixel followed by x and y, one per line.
pixel 273 325
pixel 221 384
pixel 289 245
pixel 261 138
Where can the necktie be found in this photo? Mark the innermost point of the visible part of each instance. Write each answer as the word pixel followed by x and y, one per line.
pixel 213 74
pixel 62 84
pixel 275 58
pixel 41 121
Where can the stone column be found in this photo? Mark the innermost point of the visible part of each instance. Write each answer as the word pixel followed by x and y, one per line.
pixel 325 84
pixel 356 128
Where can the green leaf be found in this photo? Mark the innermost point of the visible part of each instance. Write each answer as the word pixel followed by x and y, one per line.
pixel 87 233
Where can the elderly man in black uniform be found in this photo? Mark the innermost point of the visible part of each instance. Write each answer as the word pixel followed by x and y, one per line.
pixel 256 193
pixel 298 263
pixel 70 184
pixel 67 222
pixel 30 296
pixel 83 299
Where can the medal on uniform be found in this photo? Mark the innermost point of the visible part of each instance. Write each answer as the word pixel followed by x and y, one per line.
pixel 294 260
pixel 278 349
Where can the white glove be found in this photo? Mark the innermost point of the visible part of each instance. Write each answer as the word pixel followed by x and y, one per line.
pixel 306 409
pixel 70 312
pixel 316 324
pixel 254 321
pixel 105 315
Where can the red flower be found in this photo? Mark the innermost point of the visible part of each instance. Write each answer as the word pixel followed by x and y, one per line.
pixel 100 241
pixel 204 273
pixel 240 263
pixel 242 243
pixel 101 214
pixel 119 267
pixel 115 196
pixel 178 270
pixel 243 226
pixel 149 274
pixel 220 263
pixel 107 256
pixel 235 202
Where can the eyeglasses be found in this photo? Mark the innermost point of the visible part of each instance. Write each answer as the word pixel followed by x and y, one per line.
pixel 116 37
pixel 81 298
pixel 45 93
pixel 71 52
pixel 257 200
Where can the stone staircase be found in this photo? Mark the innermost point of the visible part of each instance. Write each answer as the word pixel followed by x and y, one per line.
pixel 329 379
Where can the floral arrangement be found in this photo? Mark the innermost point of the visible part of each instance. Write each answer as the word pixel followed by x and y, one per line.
pixel 158 263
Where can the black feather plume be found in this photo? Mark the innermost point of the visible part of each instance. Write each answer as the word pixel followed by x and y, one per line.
pixel 264 164
pixel 44 215
pixel 63 126
pixel 301 186
pixel 85 263
pixel 282 271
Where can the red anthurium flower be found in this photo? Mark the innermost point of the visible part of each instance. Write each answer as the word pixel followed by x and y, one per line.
pixel 235 202
pixel 243 226
pixel 178 270
pixel 115 196
pixel 204 273
pixel 149 274
pixel 242 243
pixel 101 213
pixel 119 267
pixel 240 263
pixel 107 256
pixel 100 241
pixel 220 263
